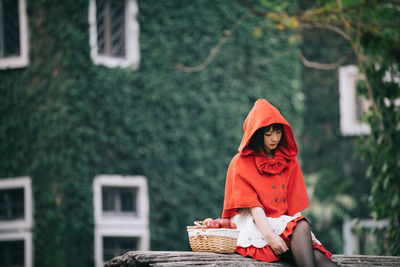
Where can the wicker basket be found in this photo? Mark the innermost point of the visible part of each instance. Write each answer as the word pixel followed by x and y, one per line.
pixel 220 240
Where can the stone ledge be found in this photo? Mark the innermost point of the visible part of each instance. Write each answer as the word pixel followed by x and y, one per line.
pixel 189 258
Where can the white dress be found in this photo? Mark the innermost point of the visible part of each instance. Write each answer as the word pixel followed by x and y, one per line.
pixel 250 235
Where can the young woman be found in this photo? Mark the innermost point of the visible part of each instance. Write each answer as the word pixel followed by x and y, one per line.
pixel 265 193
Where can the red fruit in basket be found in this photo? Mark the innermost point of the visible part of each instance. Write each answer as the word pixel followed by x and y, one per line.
pixel 225 223
pixel 206 221
pixel 233 225
pixel 213 224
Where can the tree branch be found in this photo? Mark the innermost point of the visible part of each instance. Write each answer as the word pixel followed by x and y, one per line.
pixel 323 66
pixel 214 50
pixel 356 48
pixel 325 26
pixel 253 10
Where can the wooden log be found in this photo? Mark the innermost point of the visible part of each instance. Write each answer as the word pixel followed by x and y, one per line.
pixel 366 260
pixel 189 258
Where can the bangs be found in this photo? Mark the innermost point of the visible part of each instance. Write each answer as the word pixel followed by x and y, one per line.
pixel 274 127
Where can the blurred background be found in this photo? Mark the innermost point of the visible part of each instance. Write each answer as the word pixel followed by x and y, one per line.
pixel 119 119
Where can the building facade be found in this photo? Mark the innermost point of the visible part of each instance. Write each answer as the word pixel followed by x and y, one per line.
pixel 107 143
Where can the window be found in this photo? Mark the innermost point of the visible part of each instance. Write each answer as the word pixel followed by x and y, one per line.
pixel 16 249
pixel 119 200
pixel 12 253
pixel 352 106
pixel 361 236
pixel 110 27
pixel 121 216
pixel 13 34
pixel 11 204
pixel 116 246
pixel 114 33
pixel 16 222
pixel 15 203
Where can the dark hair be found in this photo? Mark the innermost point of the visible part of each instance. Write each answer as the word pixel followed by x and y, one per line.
pixel 256 142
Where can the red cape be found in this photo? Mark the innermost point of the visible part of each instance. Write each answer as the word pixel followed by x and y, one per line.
pixel 254 180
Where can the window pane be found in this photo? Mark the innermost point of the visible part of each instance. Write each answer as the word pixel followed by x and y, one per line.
pixel 119 199
pixel 108 196
pixel 12 253
pixel 110 17
pixel 9 28
pixel 100 25
pixel 128 200
pixel 12 204
pixel 117 9
pixel 116 246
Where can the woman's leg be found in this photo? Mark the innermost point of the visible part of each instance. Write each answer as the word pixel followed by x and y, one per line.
pixel 322 260
pixel 301 245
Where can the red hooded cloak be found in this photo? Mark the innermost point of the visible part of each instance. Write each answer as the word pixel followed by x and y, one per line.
pixel 255 180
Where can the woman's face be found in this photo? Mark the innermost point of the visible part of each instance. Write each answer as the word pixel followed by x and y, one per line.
pixel 271 139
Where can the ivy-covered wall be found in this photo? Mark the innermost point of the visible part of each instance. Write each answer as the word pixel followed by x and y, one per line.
pixel 65 120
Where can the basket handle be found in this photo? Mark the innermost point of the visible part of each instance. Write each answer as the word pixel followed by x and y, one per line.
pixel 198 223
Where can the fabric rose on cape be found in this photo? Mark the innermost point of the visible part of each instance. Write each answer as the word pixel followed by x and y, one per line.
pixel 267 165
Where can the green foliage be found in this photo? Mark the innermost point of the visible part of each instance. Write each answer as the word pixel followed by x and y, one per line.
pixel 372 29
pixel 65 120
pixel 330 168
pixel 381 150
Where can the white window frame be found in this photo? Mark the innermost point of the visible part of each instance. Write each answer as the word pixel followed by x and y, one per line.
pixel 20 229
pixel 349 124
pixel 132 51
pixel 124 225
pixel 27 222
pixel 348 78
pixel 142 234
pixel 23 59
pixel 28 248
pixel 351 240
pixel 140 182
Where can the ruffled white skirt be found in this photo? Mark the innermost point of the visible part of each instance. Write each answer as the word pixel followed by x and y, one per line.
pixel 250 235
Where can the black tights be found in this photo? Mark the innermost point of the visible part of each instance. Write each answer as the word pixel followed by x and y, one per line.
pixel 302 248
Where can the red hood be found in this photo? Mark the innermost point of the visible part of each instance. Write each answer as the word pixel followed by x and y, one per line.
pixel 263 114
pixel 252 176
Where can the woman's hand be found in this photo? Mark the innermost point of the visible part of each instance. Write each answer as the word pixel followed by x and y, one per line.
pixel 277 245
pixel 313 239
